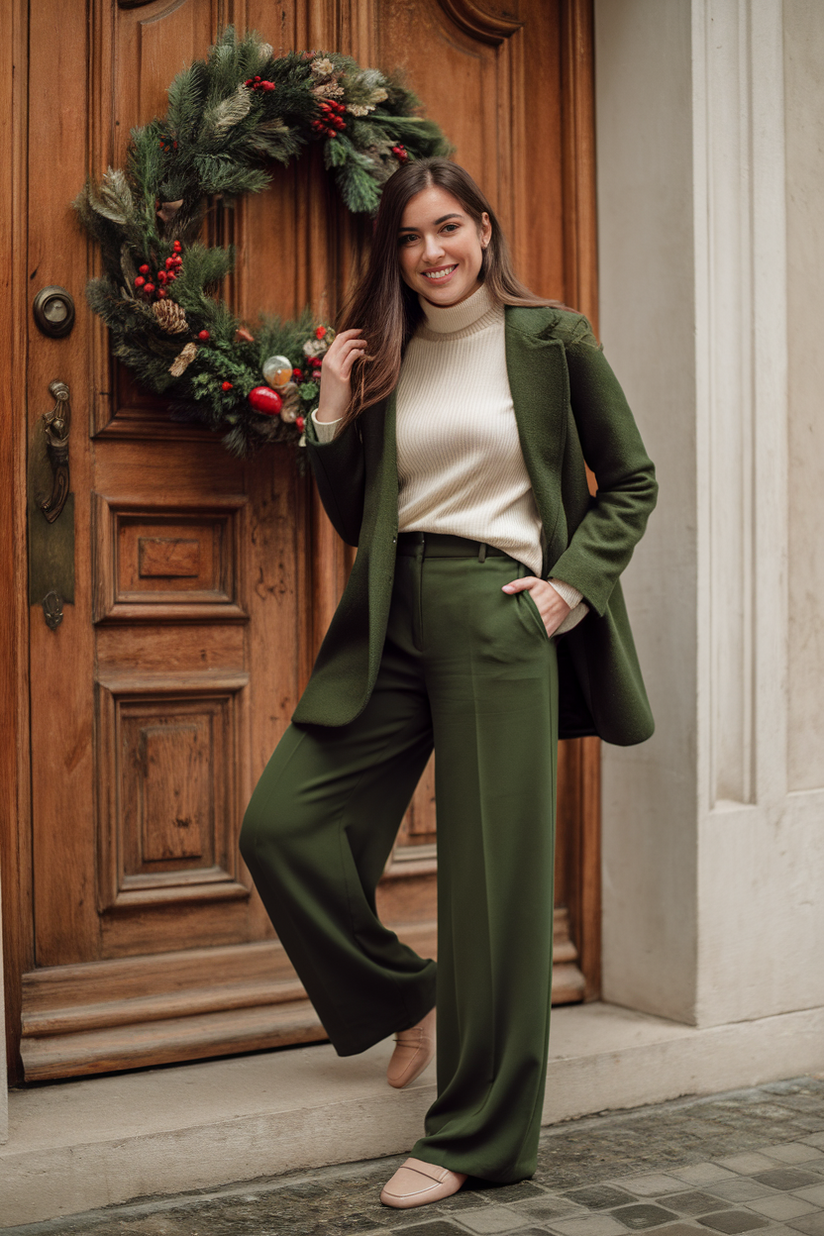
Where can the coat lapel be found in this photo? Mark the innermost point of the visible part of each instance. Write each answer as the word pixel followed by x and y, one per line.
pixel 539 382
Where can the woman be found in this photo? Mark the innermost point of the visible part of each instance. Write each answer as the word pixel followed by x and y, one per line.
pixel 455 413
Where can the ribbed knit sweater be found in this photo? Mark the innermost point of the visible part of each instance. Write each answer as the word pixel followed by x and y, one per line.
pixel 460 465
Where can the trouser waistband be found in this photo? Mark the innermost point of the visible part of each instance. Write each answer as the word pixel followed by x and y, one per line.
pixel 445 545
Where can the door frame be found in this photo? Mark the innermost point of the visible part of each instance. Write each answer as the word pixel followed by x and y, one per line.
pixel 580 258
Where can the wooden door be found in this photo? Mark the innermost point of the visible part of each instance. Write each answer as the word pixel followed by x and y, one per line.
pixel 194 588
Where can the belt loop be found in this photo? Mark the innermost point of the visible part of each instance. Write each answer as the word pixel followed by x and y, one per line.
pixel 482 553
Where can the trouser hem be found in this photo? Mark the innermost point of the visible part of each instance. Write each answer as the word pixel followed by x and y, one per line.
pixel 353 1045
pixel 467 1167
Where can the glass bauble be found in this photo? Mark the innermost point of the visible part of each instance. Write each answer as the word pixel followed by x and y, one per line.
pixel 277 370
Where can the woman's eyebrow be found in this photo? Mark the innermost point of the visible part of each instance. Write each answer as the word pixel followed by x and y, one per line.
pixel 454 215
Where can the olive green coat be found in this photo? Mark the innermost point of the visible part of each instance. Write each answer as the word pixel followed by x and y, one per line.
pixel 569 408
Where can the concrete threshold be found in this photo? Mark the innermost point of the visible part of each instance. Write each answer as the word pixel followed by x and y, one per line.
pixel 76 1146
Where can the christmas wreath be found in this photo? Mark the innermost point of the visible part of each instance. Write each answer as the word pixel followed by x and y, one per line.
pixel 229 116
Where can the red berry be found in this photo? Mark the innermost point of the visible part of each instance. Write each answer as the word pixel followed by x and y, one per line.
pixel 297 375
pixel 170 278
pixel 161 276
pixel 203 335
pixel 267 85
pixel 144 270
pixel 226 386
pixel 300 422
pixel 139 281
pixel 320 332
pixel 169 262
pixel 161 293
pixel 149 288
pixel 177 246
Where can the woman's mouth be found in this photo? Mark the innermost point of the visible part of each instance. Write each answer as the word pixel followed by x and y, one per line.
pixel 443 272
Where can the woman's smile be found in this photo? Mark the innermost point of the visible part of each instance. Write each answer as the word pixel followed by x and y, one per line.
pixel 443 272
pixel 440 247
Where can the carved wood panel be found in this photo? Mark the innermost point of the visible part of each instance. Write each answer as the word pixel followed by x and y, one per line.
pixel 168 790
pixel 160 561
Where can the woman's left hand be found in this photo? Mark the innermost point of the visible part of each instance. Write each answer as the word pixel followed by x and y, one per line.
pixel 551 605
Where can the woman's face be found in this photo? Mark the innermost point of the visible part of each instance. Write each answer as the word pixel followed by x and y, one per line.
pixel 440 247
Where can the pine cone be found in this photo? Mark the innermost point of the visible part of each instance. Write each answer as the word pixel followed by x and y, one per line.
pixel 182 362
pixel 171 316
pixel 290 395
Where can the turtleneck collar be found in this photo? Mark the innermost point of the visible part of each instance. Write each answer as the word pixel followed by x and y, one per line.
pixel 450 318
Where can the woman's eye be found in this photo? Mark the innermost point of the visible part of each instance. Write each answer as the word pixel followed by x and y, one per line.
pixel 407 238
pixel 451 227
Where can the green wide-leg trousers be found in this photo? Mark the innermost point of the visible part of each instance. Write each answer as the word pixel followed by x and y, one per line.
pixel 471 669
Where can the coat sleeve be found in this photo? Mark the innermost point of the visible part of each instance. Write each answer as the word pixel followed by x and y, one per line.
pixel 602 543
pixel 338 468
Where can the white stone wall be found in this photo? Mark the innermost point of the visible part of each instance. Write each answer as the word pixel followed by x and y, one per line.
pixel 709 183
pixel 804 76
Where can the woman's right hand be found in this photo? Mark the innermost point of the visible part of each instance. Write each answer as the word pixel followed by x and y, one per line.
pixel 335 386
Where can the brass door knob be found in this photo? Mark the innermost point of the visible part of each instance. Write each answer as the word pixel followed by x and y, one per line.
pixel 53 310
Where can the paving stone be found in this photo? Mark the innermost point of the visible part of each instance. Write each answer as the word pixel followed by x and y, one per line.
pixel 703 1174
pixel 794 1152
pixel 599 1197
pixel 782 1206
pixel 438 1227
pixel 814 1194
pixel 588 1225
pixel 651 1186
pixel 493 1219
pixel 786 1178
pixel 693 1202
pixel 744 1189
pixel 550 1207
pixel 638 1218
pixel 732 1222
pixel 747 1164
pixel 810 1225
pixel 506 1194
pixel 680 1229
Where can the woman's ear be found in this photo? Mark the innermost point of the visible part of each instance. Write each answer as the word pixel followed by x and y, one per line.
pixel 486 230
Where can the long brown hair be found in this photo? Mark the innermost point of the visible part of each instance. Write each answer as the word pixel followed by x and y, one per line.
pixel 384 309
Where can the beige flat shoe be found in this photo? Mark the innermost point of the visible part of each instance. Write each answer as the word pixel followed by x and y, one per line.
pixel 413 1050
pixel 416 1183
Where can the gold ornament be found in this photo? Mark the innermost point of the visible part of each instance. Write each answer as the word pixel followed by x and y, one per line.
pixel 277 371
pixel 183 361
pixel 171 317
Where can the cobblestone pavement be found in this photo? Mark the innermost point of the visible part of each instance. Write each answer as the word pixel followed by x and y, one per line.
pixel 748 1161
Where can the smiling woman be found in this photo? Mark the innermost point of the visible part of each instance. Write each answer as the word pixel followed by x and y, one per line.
pixel 448 445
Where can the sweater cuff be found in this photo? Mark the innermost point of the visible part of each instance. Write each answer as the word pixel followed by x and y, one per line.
pixel 575 599
pixel 569 594
pixel 325 430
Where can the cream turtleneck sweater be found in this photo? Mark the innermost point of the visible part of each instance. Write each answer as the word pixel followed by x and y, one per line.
pixel 460 465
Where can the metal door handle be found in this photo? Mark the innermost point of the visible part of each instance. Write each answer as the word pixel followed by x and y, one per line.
pixel 56 424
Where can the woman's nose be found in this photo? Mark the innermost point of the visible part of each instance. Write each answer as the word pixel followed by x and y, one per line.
pixel 433 249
